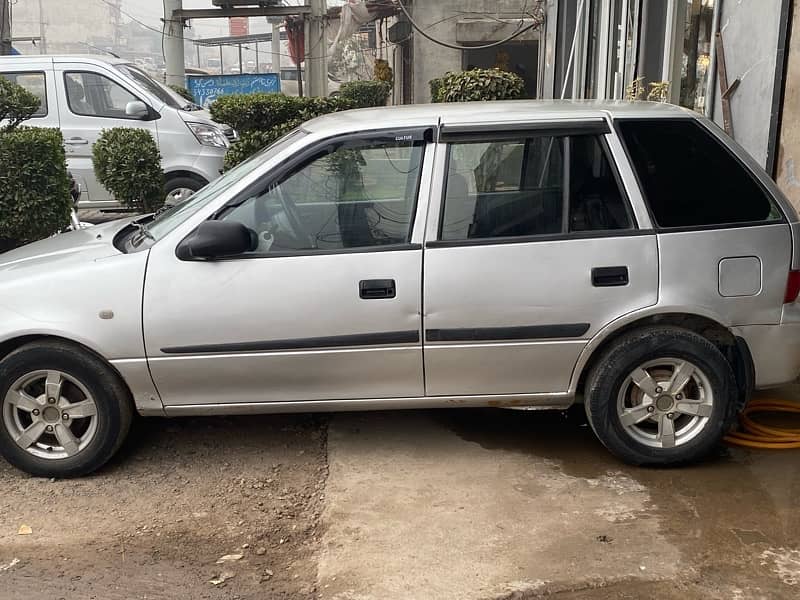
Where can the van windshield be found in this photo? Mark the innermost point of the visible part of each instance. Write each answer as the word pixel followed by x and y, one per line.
pixel 151 85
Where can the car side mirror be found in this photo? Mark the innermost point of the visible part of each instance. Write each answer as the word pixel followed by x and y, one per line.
pixel 137 109
pixel 217 239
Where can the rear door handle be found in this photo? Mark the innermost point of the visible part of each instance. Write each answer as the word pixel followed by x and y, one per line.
pixel 610 276
pixel 76 141
pixel 370 289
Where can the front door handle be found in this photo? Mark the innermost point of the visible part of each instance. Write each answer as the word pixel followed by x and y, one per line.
pixel 76 141
pixel 370 289
pixel 610 276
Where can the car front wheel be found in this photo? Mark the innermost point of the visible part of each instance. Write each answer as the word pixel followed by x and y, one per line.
pixel 661 396
pixel 64 412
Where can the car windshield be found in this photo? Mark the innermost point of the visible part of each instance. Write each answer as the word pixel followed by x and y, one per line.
pixel 161 92
pixel 168 220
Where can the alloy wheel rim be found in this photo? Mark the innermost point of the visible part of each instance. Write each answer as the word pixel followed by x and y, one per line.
pixel 665 403
pixel 179 195
pixel 50 414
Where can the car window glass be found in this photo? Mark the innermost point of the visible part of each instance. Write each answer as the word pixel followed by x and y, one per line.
pixel 353 195
pixel 688 177
pixel 168 220
pixel 95 95
pixel 531 186
pixel 35 84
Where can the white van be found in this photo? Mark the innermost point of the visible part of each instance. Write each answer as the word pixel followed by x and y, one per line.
pixel 83 95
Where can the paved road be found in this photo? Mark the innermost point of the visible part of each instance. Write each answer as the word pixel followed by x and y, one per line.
pixel 484 504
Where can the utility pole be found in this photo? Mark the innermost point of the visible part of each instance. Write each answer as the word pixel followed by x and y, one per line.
pixel 173 44
pixel 42 38
pixel 317 49
pixel 116 15
pixel 5 27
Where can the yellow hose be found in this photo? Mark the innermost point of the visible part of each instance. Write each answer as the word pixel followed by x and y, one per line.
pixel 757 435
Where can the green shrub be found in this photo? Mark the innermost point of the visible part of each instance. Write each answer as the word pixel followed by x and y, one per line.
pixel 477 84
pixel 436 86
pixel 365 94
pixel 261 118
pixel 128 164
pixel 34 186
pixel 183 93
pixel 251 142
pixel 16 104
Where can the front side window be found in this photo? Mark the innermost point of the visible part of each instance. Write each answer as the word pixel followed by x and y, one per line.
pixel 359 194
pixel 35 84
pixel 539 185
pixel 689 179
pixel 95 95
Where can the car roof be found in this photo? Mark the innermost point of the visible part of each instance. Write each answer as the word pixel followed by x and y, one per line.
pixel 487 113
pixel 60 58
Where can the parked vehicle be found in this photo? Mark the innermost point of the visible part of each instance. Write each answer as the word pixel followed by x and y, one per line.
pixel 290 87
pixel 83 95
pixel 626 255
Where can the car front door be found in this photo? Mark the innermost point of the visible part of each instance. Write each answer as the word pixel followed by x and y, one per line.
pixel 326 307
pixel 94 101
pixel 534 249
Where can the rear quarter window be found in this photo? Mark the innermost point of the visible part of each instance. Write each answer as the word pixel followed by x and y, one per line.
pixel 689 178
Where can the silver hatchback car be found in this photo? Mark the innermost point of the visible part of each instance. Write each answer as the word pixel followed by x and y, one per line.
pixel 511 254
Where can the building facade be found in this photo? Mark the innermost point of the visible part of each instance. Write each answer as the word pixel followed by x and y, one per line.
pixel 664 50
pixel 79 30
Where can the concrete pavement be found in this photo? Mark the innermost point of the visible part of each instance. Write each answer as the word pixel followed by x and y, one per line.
pixel 504 504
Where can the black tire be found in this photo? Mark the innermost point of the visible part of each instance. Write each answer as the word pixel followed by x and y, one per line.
pixel 177 182
pixel 110 395
pixel 611 372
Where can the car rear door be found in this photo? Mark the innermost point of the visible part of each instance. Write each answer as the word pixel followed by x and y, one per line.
pixel 533 249
pixel 93 99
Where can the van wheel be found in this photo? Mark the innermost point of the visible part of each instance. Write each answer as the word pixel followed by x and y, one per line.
pixel 63 412
pixel 179 189
pixel 661 396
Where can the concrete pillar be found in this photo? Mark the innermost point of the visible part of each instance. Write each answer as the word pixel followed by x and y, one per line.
pixel 788 171
pixel 276 46
pixel 316 50
pixel 173 44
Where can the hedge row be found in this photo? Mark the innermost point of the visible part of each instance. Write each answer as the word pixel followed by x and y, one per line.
pixel 477 84
pixel 260 119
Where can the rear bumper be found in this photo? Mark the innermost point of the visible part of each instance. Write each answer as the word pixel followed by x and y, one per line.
pixel 775 350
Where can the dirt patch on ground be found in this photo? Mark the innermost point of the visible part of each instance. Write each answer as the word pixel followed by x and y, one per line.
pixel 182 494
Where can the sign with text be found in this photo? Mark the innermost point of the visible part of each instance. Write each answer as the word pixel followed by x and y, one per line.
pixel 207 88
pixel 239 26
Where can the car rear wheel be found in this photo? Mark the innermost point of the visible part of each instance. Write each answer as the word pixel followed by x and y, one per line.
pixel 64 413
pixel 661 396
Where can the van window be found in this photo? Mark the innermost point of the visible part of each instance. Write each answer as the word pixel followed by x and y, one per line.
pixel 541 185
pixel 35 84
pixel 95 95
pixel 689 179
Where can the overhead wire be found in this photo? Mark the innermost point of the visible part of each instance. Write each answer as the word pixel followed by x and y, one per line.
pixel 537 23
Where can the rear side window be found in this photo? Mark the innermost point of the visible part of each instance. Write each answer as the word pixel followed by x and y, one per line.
pixel 34 83
pixel 689 179
pixel 539 185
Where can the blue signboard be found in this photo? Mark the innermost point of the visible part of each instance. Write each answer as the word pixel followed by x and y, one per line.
pixel 207 88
